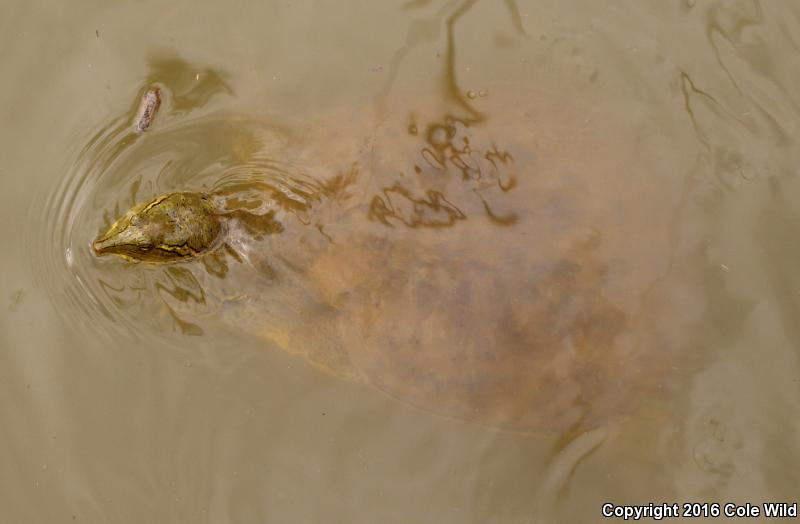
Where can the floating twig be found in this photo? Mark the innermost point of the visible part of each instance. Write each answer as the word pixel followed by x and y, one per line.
pixel 148 108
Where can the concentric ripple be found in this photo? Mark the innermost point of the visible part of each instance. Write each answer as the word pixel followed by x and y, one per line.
pixel 217 152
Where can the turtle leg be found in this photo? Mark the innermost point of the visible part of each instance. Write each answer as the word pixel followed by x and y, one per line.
pixel 562 467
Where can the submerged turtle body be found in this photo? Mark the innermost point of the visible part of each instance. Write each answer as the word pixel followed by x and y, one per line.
pixel 518 274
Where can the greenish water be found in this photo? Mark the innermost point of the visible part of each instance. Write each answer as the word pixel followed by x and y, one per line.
pixel 548 252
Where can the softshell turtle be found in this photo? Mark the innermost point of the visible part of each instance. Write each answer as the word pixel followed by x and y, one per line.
pixel 518 272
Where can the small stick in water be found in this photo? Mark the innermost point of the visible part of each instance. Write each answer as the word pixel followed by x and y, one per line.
pixel 148 108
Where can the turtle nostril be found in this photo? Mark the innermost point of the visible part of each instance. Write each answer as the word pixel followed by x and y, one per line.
pixel 102 246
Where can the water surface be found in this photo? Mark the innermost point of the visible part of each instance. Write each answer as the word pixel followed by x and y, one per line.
pixel 648 148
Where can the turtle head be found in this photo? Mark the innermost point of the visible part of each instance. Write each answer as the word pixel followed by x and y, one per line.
pixel 169 228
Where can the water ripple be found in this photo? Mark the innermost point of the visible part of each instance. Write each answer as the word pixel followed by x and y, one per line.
pixel 212 151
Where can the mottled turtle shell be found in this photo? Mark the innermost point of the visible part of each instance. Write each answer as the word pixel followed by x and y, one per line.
pixel 518 272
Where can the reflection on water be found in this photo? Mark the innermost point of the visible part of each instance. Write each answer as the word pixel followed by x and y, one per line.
pixel 558 239
pixel 419 212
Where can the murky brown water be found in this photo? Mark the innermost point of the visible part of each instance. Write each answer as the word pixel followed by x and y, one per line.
pixel 531 258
